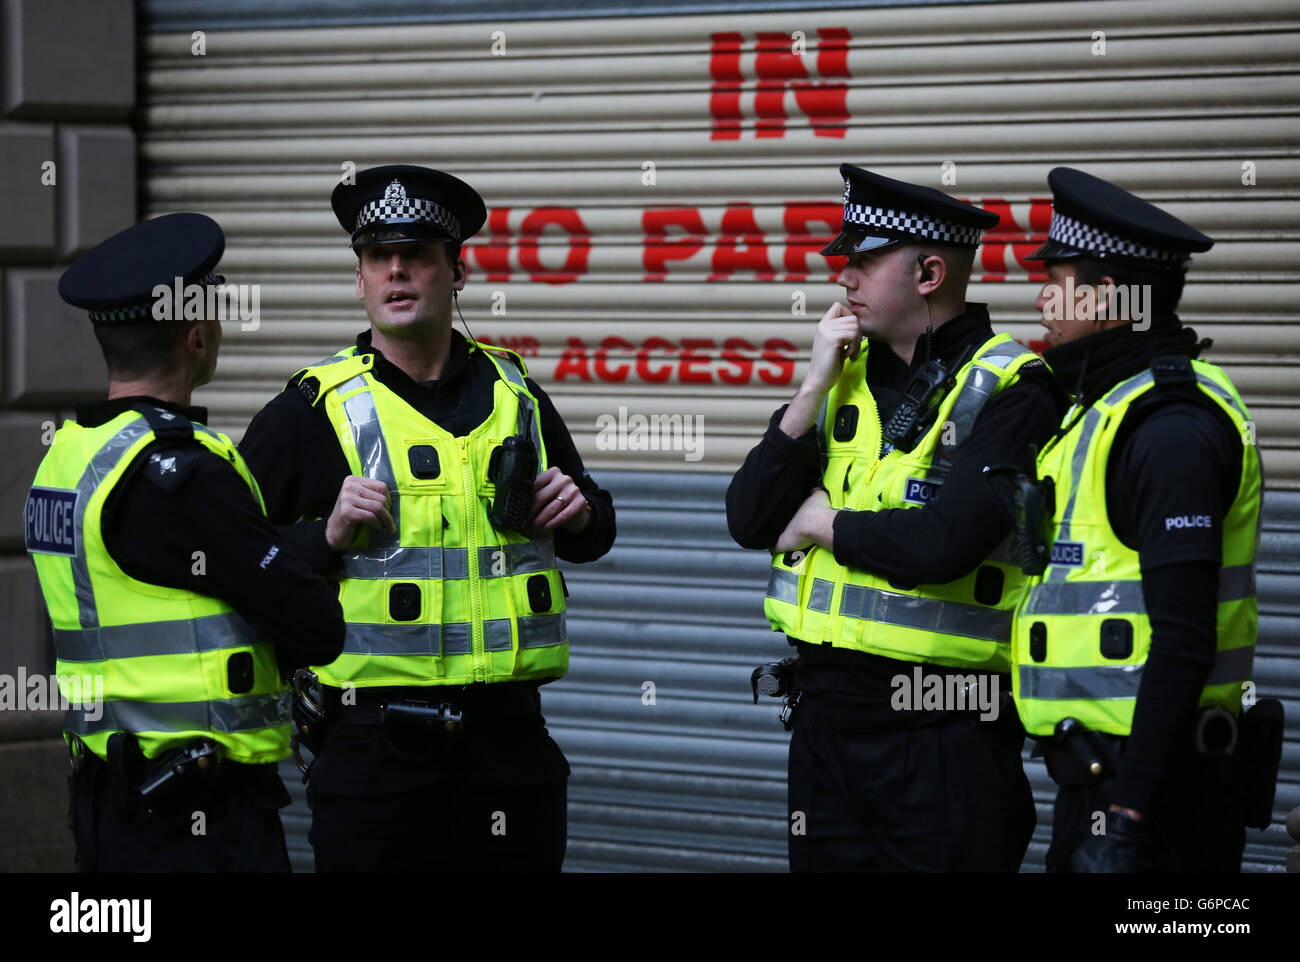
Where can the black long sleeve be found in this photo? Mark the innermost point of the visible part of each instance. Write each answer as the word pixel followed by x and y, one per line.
pixel 785 470
pixel 948 537
pixel 1181 460
pixel 197 527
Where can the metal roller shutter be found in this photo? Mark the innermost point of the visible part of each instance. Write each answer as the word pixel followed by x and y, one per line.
pixel 680 294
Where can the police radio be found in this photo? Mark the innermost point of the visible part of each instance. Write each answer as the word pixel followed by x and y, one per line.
pixel 512 468
pixel 1033 504
pixel 912 416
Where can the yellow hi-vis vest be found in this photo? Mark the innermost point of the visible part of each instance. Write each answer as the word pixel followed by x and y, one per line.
pixel 137 657
pixel 1082 633
pixel 448 599
pixel 965 623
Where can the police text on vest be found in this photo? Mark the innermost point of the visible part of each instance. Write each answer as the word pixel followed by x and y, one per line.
pixel 74 915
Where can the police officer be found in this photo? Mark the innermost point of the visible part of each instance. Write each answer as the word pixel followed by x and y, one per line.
pixel 869 488
pixel 176 605
pixel 1133 645
pixel 449 484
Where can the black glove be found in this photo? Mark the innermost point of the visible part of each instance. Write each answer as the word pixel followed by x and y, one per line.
pixel 1127 846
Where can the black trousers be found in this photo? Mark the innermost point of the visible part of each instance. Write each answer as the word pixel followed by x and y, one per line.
pixel 442 826
pixel 949 797
pixel 227 829
pixel 1199 829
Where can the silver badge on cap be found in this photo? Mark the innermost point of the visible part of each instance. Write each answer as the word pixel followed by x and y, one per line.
pixel 395 192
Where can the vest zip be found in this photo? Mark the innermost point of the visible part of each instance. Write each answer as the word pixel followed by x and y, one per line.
pixel 475 602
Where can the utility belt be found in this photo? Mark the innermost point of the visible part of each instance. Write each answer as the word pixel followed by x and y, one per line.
pixel 147 789
pixel 417 722
pixel 1248 746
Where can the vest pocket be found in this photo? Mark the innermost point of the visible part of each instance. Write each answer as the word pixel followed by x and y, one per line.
pixel 988 585
pixel 404 602
pixel 1116 638
pixel 539 593
pixel 1038 642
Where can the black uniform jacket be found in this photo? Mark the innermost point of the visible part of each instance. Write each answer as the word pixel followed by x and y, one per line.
pixel 933 544
pixel 296 457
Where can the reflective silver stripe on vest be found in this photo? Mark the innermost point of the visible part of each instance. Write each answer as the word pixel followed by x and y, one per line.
pixel 1212 386
pixel 1232 665
pixel 926 614
pixel 516 559
pixel 1077 460
pixel 496 634
pixel 210 633
pixel 332 359
pixel 1098 682
pixel 104 461
pixel 1080 684
pixel 450 563
pixel 246 713
pixel 822 444
pixel 458 639
pixel 525 421
pixel 542 631
pixel 537 631
pixel 408 563
pixel 1123 597
pixel 374 639
pixel 372 450
pixel 979 386
pixel 783 586
pixel 819 599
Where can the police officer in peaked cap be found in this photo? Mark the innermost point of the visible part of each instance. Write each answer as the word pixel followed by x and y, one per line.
pixel 177 607
pixel 446 485
pixel 1134 641
pixel 890 574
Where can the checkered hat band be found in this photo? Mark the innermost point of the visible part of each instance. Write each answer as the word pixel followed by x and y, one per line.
pixel 140 311
pixel 414 209
pixel 1093 240
pixel 917 225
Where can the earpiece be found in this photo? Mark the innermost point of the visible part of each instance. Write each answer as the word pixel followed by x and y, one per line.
pixel 925 271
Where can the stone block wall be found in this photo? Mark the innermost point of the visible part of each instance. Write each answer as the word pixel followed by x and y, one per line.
pixel 67 181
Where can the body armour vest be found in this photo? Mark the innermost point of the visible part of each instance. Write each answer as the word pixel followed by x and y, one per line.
pixel 1081 632
pixel 447 599
pixel 965 623
pixel 165 663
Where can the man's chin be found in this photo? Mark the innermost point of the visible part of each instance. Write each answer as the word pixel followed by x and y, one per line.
pixel 401 324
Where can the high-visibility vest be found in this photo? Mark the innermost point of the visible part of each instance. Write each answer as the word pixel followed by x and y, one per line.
pixel 965 623
pixel 1082 633
pixel 168 664
pixel 447 599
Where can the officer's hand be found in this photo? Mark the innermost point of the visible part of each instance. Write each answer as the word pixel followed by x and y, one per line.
pixel 838 338
pixel 360 501
pixel 1127 846
pixel 557 503
pixel 813 523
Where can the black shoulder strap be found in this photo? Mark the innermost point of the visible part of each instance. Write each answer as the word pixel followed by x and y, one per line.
pixel 1173 371
pixel 167 425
